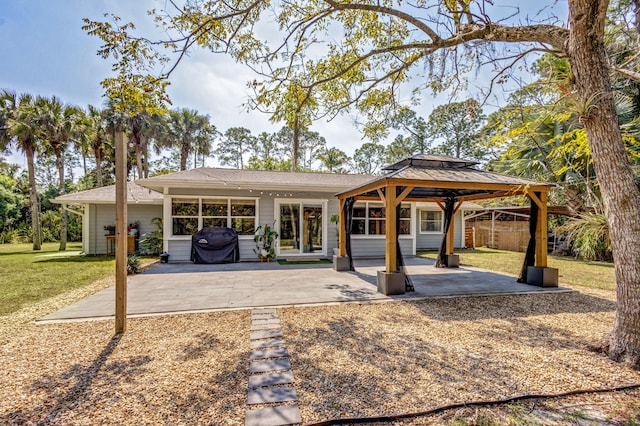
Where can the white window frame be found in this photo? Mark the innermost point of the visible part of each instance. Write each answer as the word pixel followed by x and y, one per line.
pixel 420 221
pixel 200 217
pixel 277 202
pixel 367 220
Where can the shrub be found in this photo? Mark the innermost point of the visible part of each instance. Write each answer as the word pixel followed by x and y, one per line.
pixel 588 236
pixel 133 265
pixel 151 244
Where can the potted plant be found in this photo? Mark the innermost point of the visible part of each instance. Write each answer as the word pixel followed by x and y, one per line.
pixel 265 238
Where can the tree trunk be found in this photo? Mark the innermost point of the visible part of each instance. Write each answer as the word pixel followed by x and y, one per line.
pixel 33 199
pixel 620 194
pixel 145 155
pixel 184 155
pixel 63 212
pixel 296 144
pixel 98 156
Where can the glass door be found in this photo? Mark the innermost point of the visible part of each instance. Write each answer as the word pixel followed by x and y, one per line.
pixel 301 228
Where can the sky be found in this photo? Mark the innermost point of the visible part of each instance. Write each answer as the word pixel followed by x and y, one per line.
pixel 45 52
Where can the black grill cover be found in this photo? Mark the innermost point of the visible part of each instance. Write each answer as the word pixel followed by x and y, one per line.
pixel 215 245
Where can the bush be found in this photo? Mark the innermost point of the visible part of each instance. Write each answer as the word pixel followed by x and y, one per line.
pixel 588 236
pixel 133 265
pixel 13 236
pixel 151 244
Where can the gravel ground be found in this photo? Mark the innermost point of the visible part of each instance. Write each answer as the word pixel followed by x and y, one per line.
pixel 348 360
pixel 383 359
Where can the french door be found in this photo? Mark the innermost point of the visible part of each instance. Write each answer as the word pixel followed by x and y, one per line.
pixel 301 227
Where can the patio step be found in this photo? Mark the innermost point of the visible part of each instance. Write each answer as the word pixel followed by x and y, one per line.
pixel 269 370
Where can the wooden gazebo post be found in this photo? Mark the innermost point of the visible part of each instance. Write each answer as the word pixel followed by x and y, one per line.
pixel 391 250
pixel 540 274
pixel 341 261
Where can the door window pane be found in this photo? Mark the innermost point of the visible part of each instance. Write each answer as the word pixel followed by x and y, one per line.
pixel 289 228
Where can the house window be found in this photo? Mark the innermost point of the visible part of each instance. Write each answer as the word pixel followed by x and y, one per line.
pixel 188 213
pixel 430 221
pixel 370 219
pixel 184 214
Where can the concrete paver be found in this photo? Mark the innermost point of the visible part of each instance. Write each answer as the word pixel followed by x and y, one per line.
pixel 264 395
pixel 257 335
pixel 268 353
pixel 271 379
pixel 274 416
pixel 255 327
pixel 267 366
pixel 173 287
pixel 267 343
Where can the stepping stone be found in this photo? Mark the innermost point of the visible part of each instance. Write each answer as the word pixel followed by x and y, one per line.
pixel 267 317
pixel 264 311
pixel 265 327
pixel 266 395
pixel 266 366
pixel 256 335
pixel 271 379
pixel 273 416
pixel 265 321
pixel 270 343
pixel 269 353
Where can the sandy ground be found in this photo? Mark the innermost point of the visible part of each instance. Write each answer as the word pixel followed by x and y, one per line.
pixel 348 360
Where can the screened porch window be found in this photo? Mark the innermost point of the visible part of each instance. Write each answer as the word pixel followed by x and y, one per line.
pixel 188 213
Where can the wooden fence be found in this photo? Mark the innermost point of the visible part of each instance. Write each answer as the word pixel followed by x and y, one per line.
pixel 503 235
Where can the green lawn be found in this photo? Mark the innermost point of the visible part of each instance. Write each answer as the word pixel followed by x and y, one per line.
pixel 574 272
pixel 27 276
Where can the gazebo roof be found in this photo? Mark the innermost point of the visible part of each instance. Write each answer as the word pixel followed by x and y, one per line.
pixel 433 161
pixel 435 178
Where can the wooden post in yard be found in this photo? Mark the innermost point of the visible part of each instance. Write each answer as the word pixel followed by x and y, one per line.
pixel 121 231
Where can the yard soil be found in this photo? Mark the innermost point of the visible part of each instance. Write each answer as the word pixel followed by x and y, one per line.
pixel 350 360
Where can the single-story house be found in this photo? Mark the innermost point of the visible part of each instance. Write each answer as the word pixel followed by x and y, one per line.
pixel 300 207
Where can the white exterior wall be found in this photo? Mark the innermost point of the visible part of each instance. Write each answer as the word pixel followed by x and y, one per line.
pixel 179 247
pixel 101 215
pixel 363 247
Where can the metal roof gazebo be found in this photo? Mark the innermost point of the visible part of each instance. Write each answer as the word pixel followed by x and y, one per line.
pixel 448 182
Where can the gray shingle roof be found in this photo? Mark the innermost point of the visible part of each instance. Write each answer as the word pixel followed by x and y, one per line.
pixel 221 177
pixel 107 195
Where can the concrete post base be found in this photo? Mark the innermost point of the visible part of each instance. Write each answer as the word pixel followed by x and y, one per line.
pixel 390 283
pixel 340 263
pixel 542 277
pixel 453 260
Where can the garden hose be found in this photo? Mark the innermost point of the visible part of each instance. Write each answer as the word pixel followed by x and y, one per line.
pixel 395 417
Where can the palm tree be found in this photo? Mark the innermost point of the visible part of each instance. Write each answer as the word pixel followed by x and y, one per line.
pixel 333 158
pixel 21 130
pixel 189 132
pixel 98 136
pixel 58 123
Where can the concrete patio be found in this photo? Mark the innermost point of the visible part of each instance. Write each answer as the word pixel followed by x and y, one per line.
pixel 173 288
